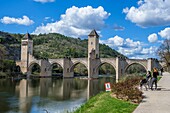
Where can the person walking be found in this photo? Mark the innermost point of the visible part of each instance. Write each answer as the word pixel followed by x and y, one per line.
pixel 162 71
pixel 154 78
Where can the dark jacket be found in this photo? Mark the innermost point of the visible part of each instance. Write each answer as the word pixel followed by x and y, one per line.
pixel 155 74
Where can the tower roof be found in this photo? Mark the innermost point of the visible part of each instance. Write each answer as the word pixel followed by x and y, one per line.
pixel 27 36
pixel 93 33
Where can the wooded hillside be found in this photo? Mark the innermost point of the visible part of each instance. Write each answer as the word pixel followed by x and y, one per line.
pixel 52 45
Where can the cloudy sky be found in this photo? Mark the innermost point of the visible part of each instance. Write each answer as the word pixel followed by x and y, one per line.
pixel 135 28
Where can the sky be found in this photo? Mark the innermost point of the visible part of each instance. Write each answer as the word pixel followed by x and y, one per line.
pixel 135 28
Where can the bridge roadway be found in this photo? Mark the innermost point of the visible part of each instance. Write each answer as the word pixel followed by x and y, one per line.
pixel 157 101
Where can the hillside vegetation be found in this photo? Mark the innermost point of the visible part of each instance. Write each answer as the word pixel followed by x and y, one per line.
pixel 52 45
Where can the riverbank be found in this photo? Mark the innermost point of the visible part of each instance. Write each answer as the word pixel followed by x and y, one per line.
pixel 104 103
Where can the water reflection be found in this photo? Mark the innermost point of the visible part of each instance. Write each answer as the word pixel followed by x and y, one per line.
pixel 54 95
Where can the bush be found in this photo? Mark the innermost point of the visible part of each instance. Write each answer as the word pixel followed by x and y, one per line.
pixel 2 74
pixel 127 89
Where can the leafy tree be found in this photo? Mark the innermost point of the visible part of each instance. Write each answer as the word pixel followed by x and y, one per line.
pixel 2 52
pixel 2 56
pixel 135 68
pixel 164 52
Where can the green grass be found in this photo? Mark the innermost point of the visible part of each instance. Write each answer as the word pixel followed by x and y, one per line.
pixel 104 103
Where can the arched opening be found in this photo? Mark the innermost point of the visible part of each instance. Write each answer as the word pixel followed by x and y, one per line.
pixel 135 69
pixel 35 69
pixel 79 70
pixel 106 70
pixel 57 70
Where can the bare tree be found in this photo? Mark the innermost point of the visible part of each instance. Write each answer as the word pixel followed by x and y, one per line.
pixel 164 52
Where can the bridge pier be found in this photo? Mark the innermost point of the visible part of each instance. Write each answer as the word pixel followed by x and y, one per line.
pixel 92 71
pixel 118 69
pixel 67 72
pixel 151 63
pixel 45 68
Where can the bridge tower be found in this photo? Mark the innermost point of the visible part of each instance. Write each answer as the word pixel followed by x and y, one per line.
pixel 93 53
pixel 93 44
pixel 26 52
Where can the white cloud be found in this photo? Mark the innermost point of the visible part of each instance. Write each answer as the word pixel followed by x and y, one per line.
pixel 77 22
pixel 130 43
pixel 44 1
pixel 140 2
pixel 22 21
pixel 130 48
pixel 151 50
pixel 115 41
pixel 149 13
pixel 152 38
pixel 165 33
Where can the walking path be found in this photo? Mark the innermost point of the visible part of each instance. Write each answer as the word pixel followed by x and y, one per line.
pixel 157 101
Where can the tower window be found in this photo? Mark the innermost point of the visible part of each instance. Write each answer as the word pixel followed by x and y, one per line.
pixel 91 43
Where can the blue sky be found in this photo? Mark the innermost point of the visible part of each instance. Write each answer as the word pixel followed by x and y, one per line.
pixel 135 28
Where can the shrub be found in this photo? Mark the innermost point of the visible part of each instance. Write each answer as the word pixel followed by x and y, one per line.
pixel 2 74
pixel 127 89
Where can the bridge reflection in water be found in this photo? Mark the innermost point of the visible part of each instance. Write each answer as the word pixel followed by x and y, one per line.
pixel 54 95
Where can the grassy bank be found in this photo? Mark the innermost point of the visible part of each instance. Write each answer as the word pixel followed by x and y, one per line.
pixel 104 103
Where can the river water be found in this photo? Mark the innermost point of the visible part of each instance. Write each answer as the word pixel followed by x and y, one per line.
pixel 47 94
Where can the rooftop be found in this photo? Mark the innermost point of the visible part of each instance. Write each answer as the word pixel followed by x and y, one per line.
pixel 93 33
pixel 27 36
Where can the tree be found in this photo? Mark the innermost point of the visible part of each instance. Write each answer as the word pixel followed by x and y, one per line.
pixel 2 56
pixel 164 52
pixel 2 52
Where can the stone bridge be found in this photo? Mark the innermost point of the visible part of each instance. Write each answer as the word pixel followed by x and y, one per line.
pixel 92 63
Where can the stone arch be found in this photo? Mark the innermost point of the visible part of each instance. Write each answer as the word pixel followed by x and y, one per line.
pixel 59 63
pixel 31 66
pixel 125 70
pixel 102 63
pixel 76 63
pixel 51 68
pixel 34 62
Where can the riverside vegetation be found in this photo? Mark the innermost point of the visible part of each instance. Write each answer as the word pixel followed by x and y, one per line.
pixel 123 98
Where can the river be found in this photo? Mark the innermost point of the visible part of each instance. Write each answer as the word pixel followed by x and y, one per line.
pixel 47 94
